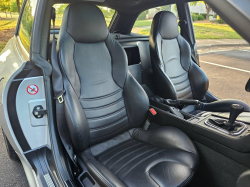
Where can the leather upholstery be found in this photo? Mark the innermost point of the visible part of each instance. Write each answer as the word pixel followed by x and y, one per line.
pixel 174 69
pixel 105 105
pixel 177 76
pixel 143 158
pixel 146 67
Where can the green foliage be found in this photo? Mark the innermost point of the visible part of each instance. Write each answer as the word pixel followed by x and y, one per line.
pixel 143 23
pixel 194 17
pixel 221 21
pixel 194 3
pixel 209 31
pixel 60 9
pixel 142 15
pixel 5 5
pixel 13 7
pixel 26 25
pixel 200 17
pixel 166 8
pixel 107 12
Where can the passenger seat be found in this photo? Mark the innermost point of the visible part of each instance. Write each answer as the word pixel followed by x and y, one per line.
pixel 105 109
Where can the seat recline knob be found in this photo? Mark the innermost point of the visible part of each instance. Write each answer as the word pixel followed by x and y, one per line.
pixel 235 110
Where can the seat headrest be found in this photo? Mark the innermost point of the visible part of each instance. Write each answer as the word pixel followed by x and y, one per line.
pixel 84 22
pixel 166 24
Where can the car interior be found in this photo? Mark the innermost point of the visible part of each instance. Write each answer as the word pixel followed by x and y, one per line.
pixel 133 110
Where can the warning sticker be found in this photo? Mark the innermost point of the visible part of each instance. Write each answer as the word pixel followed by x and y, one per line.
pixel 32 89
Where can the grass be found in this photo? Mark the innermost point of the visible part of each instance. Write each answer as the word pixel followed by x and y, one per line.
pixel 209 31
pixel 202 30
pixel 7 24
pixel 142 23
pixel 214 31
pixel 2 45
pixel 3 15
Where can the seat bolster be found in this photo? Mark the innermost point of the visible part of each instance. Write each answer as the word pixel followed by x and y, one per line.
pixel 76 119
pixel 165 86
pixel 100 172
pixel 136 101
pixel 165 137
pixel 198 80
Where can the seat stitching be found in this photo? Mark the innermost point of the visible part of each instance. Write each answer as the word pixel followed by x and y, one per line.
pixel 131 169
pixel 183 88
pixel 111 133
pixel 126 156
pixel 109 125
pixel 189 93
pixel 104 106
pixel 129 141
pixel 176 84
pixel 121 152
pixel 105 116
pixel 101 97
pixel 179 76
pixel 135 158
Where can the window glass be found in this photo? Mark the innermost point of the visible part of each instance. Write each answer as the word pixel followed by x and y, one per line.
pixel 107 12
pixel 27 23
pixel 223 53
pixel 144 20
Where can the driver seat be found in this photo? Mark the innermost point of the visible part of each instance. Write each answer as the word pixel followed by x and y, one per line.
pixel 176 75
pixel 105 108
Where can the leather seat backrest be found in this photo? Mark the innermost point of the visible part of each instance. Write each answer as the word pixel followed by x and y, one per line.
pixel 177 76
pixel 102 99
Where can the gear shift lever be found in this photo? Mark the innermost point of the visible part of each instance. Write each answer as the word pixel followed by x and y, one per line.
pixel 230 126
pixel 235 110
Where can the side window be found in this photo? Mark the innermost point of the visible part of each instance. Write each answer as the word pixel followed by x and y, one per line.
pixel 27 23
pixel 223 53
pixel 144 20
pixel 107 12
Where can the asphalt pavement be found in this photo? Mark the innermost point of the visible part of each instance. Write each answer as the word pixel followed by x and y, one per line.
pixel 228 70
pixel 11 172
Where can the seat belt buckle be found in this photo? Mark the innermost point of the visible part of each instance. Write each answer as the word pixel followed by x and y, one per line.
pixel 60 99
pixel 151 116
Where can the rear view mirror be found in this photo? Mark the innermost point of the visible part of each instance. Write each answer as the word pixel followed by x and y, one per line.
pixel 247 88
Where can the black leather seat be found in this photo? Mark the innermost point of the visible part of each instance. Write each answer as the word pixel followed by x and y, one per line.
pixel 105 107
pixel 178 77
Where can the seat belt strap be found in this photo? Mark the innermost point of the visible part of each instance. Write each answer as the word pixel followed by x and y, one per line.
pixel 183 24
pixel 57 81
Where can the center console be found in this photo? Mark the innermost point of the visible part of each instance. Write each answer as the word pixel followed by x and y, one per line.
pixel 231 130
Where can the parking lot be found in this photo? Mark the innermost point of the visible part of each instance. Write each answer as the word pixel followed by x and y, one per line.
pixel 228 70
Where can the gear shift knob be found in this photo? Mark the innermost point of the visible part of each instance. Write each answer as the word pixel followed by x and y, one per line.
pixel 235 110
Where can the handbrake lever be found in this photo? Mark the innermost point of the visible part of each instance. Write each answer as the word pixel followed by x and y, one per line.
pixel 179 102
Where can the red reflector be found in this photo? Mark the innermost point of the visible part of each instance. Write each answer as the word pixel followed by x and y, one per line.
pixel 153 111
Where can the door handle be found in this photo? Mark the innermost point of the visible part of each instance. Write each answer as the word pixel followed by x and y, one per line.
pixel 1 79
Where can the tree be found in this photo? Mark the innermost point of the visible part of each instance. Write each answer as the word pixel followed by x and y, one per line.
pixel 18 6
pixel 61 8
pixel 5 6
pixel 208 9
pixel 166 8
pixel 14 7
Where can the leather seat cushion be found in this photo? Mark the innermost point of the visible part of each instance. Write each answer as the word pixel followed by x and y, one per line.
pixel 159 157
